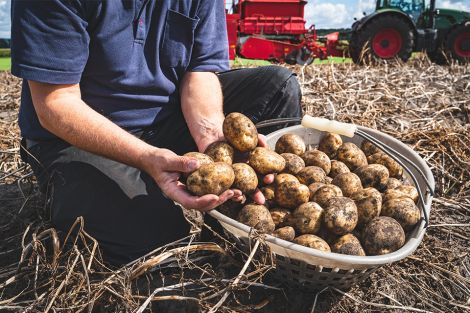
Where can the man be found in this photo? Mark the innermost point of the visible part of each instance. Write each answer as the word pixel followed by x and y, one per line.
pixel 114 93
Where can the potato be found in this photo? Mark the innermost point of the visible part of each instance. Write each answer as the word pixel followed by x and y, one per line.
pixel 265 161
pixel 349 183
pixel 406 191
pixel 291 194
pixel 383 235
pixel 403 210
pixel 283 177
pixel 245 178
pixel 201 157
pixel 373 175
pixel 268 192
pixel 313 188
pixel 258 217
pixel 325 193
pixel 338 167
pixel 340 215
pixel 351 155
pixel 306 219
pixel 393 167
pixel 213 178
pixel 285 233
pixel 328 180
pixel 294 163
pixel 290 143
pixel 317 158
pixel 220 151
pixel 369 148
pixel 348 244
pixel 230 208
pixel 240 132
pixel 330 144
pixel 311 174
pixel 369 205
pixel 410 191
pixel 312 241
pixel 279 215
pixel 393 183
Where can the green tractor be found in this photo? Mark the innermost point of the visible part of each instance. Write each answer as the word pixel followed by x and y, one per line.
pixel 398 28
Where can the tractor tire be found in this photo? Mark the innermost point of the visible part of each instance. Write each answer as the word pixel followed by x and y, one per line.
pixel 385 37
pixel 457 43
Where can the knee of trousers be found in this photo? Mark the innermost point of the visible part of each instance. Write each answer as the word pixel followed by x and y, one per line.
pixel 286 82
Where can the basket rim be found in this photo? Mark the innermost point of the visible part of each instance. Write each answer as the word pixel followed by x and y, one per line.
pixel 377 260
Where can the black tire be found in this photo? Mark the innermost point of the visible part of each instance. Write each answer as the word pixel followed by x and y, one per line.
pixel 457 49
pixel 362 42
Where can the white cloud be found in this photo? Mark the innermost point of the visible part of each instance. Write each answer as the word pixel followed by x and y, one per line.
pixel 327 15
pixel 457 5
pixel 4 18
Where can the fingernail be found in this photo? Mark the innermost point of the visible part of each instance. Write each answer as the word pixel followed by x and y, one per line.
pixel 193 165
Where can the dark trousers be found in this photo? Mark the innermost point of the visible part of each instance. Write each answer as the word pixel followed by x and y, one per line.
pixel 123 208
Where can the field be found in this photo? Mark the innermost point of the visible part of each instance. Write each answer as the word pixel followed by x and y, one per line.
pixel 5 63
pixel 423 105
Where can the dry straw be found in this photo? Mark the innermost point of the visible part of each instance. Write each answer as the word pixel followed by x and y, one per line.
pixel 422 104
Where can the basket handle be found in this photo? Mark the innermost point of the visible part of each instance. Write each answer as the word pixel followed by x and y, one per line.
pixel 278 121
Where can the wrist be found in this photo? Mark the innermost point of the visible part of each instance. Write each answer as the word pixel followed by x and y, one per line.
pixel 207 132
pixel 149 158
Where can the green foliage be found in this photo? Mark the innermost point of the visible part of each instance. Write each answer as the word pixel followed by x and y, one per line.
pixel 5 53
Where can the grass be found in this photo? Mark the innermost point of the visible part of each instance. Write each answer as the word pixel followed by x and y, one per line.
pixel 5 64
pixel 239 62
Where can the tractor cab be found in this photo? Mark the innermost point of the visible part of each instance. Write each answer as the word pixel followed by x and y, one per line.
pixel 413 8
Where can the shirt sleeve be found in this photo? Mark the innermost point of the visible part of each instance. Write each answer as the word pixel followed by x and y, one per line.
pixel 49 40
pixel 210 48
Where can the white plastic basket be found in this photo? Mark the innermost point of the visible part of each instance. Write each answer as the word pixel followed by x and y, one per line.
pixel 310 268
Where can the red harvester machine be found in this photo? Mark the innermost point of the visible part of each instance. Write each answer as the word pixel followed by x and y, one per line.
pixel 275 30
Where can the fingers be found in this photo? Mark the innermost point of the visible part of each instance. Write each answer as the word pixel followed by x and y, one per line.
pixel 262 141
pixel 268 179
pixel 182 164
pixel 258 197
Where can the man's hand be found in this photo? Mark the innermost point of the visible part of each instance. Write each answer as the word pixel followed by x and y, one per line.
pixel 166 168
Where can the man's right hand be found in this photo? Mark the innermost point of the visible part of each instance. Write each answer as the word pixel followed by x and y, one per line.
pixel 166 167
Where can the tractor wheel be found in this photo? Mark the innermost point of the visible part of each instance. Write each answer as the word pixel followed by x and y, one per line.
pixel 304 57
pixel 385 37
pixel 458 43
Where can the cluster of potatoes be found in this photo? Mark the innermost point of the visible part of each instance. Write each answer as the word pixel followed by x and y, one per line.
pixel 337 197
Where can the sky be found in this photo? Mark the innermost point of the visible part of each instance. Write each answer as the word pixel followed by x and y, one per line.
pixel 322 13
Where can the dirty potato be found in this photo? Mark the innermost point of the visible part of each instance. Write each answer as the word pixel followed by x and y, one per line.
pixel 351 155
pixel 325 193
pixel 220 151
pixel 265 161
pixel 283 177
pixel 404 191
pixel 306 219
pixel 369 148
pixel 285 233
pixel 311 174
pixel 258 217
pixel 338 167
pixel 291 194
pixel 245 178
pixel 279 215
pixel 348 244
pixel 393 183
pixel 317 158
pixel 349 183
pixel 290 143
pixel 369 205
pixel 314 187
pixel 373 175
pixel 294 163
pixel 403 210
pixel 395 170
pixel 312 241
pixel 383 235
pixel 268 193
pixel 330 144
pixel 240 132
pixel 201 157
pixel 213 178
pixel 340 215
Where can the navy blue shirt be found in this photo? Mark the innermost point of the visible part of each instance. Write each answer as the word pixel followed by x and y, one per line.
pixel 128 55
